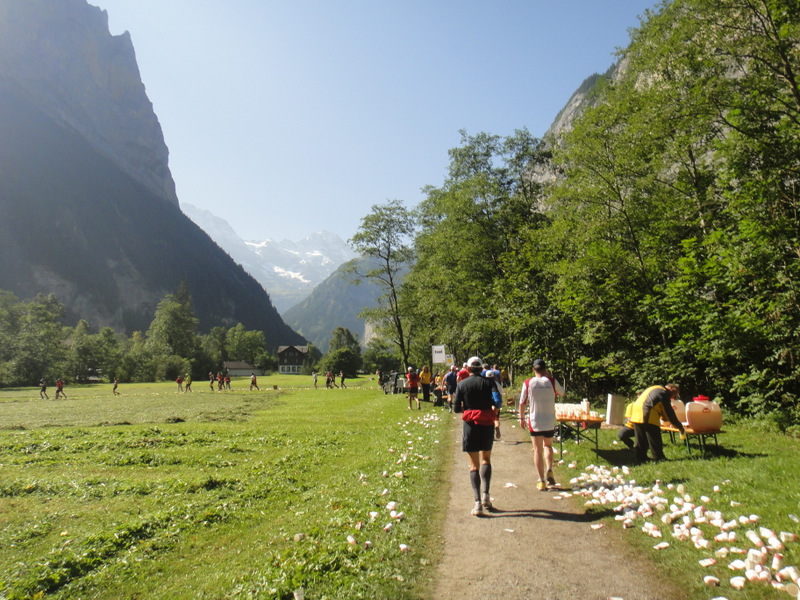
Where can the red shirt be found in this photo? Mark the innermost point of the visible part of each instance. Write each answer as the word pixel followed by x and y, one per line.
pixel 413 380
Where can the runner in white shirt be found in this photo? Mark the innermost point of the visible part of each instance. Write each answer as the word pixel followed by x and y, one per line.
pixel 538 395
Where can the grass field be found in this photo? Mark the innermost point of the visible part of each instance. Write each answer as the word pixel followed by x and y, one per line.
pixel 155 494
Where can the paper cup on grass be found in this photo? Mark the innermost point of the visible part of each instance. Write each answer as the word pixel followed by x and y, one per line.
pixel 738 582
pixel 737 565
pixel 788 573
pixel 753 537
pixel 707 562
pixel 766 533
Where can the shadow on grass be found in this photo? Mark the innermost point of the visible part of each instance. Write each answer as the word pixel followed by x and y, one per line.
pixel 618 457
pixel 622 457
pixel 553 515
pixel 721 452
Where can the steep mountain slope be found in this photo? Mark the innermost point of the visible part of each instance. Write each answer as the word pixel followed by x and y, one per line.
pixel 61 55
pixel 78 221
pixel 333 303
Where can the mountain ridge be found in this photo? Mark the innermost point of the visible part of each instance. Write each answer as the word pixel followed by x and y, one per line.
pixel 288 270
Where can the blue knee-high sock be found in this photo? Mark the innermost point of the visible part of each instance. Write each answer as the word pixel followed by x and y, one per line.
pixel 475 480
pixel 486 477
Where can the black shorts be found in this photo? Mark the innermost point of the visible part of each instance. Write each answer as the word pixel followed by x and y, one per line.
pixel 546 434
pixel 477 438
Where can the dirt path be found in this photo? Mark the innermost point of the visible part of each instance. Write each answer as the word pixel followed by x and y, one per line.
pixel 531 546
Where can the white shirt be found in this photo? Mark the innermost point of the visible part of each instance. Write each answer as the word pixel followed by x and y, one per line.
pixel 540 396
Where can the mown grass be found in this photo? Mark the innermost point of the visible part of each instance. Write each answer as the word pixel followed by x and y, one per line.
pixel 155 494
pixel 757 472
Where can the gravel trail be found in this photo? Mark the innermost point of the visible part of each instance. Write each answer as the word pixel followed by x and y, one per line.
pixel 533 546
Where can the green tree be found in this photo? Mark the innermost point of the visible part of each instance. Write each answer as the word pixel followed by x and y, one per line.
pixel 342 337
pixel 39 350
pixel 385 237
pixel 735 62
pixel 471 228
pixel 676 212
pixel 344 360
pixel 173 330
pixel 245 345
pixel 84 354
pixel 139 361
pixel 110 351
pixel 10 314
pixel 380 355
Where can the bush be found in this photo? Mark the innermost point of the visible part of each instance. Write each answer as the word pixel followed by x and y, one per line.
pixel 343 359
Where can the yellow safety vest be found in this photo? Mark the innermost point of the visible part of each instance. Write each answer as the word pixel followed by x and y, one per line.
pixel 656 412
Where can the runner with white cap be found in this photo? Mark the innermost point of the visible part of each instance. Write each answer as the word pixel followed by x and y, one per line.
pixel 476 398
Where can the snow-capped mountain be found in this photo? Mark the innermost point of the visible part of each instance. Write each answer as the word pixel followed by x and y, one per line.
pixel 288 270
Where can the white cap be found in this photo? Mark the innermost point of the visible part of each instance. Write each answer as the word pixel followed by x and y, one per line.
pixel 475 361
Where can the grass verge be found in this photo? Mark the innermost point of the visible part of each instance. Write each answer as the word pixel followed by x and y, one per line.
pixel 750 479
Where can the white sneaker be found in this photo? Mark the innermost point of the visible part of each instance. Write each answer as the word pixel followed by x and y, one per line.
pixel 477 510
pixel 486 502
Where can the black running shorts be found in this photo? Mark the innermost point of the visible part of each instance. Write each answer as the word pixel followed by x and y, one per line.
pixel 545 434
pixel 477 438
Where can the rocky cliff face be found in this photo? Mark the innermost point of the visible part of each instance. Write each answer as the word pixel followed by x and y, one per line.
pixel 583 98
pixel 61 54
pixel 88 209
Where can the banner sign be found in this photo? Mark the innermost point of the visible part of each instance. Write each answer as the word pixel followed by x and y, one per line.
pixel 437 355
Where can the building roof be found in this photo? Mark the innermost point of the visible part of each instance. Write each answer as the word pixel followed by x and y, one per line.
pixel 237 364
pixel 303 349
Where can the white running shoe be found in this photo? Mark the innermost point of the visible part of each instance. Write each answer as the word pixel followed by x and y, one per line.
pixel 477 510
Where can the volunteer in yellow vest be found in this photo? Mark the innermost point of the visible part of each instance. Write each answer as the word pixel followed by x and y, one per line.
pixel 646 419
pixel 626 433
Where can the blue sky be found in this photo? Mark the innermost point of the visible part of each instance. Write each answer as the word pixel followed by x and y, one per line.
pixel 285 117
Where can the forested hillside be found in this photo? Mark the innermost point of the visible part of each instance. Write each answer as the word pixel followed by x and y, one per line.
pixel 666 244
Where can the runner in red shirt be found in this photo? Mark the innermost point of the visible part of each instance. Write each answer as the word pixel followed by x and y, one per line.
pixel 412 382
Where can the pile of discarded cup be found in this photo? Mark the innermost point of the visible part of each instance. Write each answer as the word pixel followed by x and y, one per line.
pixel 404 456
pixel 684 518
